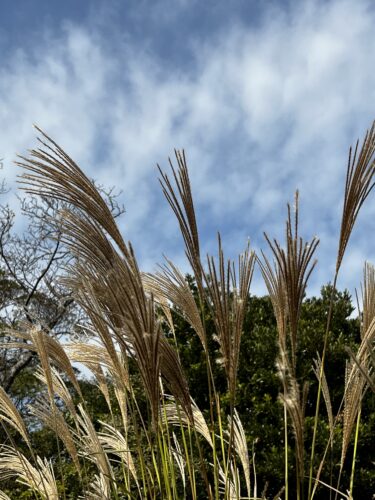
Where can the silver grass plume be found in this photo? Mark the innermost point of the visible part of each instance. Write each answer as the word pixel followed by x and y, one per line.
pixel 180 200
pixel 359 184
pixel 175 415
pixel 98 489
pixel 294 266
pixel 318 370
pixel 240 445
pixel 41 479
pixel 10 415
pixel 170 284
pixel 54 420
pixel 35 339
pixel 60 389
pixel 227 292
pixel 355 383
pixel 90 447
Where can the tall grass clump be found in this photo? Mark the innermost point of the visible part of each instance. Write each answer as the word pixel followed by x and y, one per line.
pixel 156 443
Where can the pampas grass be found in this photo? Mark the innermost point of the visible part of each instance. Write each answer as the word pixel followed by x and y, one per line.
pixel 160 444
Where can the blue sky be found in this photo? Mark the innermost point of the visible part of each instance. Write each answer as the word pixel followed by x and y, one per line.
pixel 265 97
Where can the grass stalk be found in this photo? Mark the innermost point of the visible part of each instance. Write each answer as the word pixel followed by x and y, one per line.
pixel 286 458
pixel 317 406
pixel 354 453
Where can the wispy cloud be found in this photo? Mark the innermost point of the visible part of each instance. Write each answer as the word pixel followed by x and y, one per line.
pixel 260 110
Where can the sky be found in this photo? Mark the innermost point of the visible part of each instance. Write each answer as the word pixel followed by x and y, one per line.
pixel 264 97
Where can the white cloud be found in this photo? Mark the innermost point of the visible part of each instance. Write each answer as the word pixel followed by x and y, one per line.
pixel 260 113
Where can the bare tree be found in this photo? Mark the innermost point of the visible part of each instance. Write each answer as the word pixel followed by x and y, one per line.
pixel 31 264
